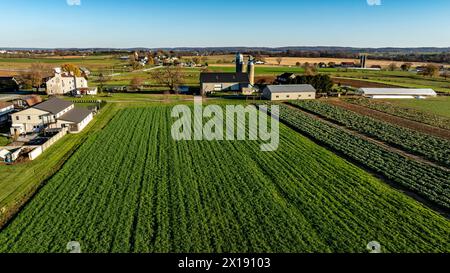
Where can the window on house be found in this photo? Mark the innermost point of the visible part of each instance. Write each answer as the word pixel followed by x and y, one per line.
pixel 287 96
pixel 29 118
pixel 17 117
pixel 277 97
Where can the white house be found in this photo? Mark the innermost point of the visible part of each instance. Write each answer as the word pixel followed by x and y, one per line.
pixel 397 93
pixel 62 84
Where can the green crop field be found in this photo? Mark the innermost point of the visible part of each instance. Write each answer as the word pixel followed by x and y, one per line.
pixel 438 106
pixel 430 147
pixel 428 181
pixel 426 116
pixel 158 195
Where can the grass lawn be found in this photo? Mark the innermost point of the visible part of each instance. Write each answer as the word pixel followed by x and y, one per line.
pixel 18 181
pixel 439 106
pixel 4 141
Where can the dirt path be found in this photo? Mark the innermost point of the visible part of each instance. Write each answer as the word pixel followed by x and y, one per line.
pixel 372 140
pixel 413 125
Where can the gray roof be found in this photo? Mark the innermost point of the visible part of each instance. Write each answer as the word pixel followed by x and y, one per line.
pixel 291 88
pixel 207 77
pixel 398 91
pixel 53 105
pixel 76 115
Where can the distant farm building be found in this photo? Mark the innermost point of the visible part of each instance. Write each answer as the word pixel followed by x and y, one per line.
pixel 27 101
pixel 289 92
pixel 9 84
pixel 397 93
pixel 285 78
pixel 239 81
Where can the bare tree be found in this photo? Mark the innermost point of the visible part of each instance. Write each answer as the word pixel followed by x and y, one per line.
pixel 102 79
pixel 169 76
pixel 392 67
pixel 279 60
pixel 35 75
pixel 137 83
pixel 431 70
pixel 406 66
pixel 310 70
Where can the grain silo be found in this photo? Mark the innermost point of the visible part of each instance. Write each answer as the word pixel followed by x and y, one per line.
pixel 251 70
pixel 363 60
pixel 239 63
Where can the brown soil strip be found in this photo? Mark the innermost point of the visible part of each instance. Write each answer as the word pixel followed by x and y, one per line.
pixel 406 123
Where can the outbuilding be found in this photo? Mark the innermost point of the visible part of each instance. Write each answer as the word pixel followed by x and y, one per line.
pixel 289 92
pixel 75 120
pixel 397 93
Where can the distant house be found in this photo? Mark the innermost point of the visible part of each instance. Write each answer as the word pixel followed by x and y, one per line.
pixel 6 108
pixel 9 84
pixel 289 92
pixel 85 72
pixel 285 78
pixel 396 93
pixel 62 84
pixel 53 113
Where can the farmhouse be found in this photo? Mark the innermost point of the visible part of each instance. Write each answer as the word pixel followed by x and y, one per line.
pixel 397 93
pixel 63 83
pixel 54 113
pixel 289 92
pixel 237 81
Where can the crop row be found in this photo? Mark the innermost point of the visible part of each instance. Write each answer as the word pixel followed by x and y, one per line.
pixel 132 188
pixel 430 147
pixel 430 182
pixel 403 112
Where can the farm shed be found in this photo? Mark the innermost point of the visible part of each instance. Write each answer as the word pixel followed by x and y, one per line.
pixel 290 92
pixel 397 93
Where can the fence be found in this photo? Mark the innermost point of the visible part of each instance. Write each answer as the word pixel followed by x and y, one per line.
pixel 36 152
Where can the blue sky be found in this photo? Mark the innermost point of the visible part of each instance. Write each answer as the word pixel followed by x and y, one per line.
pixel 155 23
